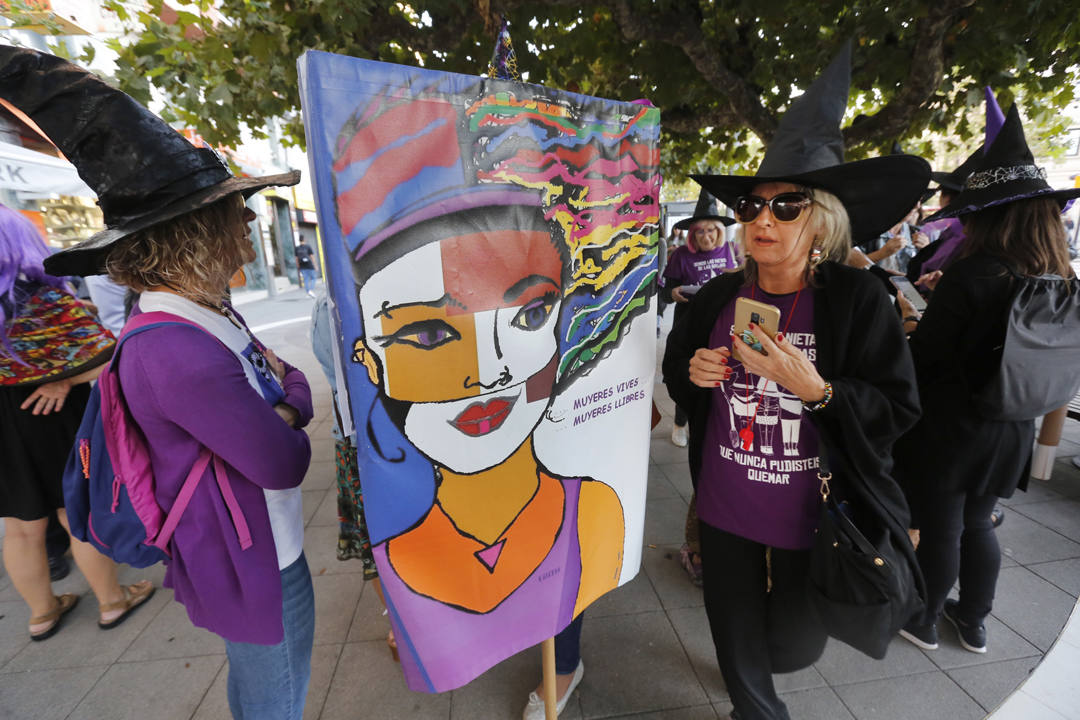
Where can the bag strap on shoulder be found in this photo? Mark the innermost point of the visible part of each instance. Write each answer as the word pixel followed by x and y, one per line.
pixel 148 321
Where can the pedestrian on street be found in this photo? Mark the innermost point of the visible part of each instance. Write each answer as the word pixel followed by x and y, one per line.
pixel 305 261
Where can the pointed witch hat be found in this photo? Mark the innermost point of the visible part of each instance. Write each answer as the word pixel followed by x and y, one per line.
pixel 704 210
pixel 1006 173
pixel 142 170
pixel 954 181
pixel 808 150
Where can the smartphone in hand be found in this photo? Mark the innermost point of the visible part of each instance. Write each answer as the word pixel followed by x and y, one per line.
pixel 766 317
pixel 902 284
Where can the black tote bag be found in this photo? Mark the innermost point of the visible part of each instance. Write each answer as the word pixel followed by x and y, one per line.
pixel 860 581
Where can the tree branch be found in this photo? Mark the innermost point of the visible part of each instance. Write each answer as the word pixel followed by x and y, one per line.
pixel 684 29
pixel 684 120
pixel 924 77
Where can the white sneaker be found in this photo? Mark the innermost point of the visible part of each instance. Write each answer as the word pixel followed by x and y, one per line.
pixel 535 709
pixel 679 438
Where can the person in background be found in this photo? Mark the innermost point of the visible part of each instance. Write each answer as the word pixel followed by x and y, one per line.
pixel 108 298
pixel 956 462
pixel 707 253
pixel 51 348
pixel 305 262
pixel 353 540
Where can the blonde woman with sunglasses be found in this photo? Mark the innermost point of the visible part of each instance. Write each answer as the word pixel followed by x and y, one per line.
pixel 837 365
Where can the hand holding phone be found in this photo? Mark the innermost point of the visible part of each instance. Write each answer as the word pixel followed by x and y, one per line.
pixel 903 285
pixel 764 316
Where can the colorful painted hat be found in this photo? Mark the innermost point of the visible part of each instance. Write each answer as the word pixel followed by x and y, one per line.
pixel 142 170
pixel 392 197
pixel 704 210
pixel 1006 173
pixel 808 149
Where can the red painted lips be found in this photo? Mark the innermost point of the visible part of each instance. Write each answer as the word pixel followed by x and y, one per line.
pixel 480 418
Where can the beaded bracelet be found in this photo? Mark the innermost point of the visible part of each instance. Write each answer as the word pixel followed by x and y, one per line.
pixel 820 404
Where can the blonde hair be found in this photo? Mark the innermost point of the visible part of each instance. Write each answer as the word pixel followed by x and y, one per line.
pixel 832 233
pixel 194 254
pixel 691 245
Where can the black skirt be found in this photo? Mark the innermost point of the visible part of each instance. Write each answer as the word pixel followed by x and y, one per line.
pixel 34 450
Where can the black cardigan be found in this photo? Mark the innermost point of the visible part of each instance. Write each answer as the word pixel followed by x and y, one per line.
pixel 861 350
pixel 957 349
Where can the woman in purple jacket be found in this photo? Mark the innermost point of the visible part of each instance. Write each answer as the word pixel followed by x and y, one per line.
pixel 218 387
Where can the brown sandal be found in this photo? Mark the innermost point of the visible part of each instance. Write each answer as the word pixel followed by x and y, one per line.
pixel 64 604
pixel 134 596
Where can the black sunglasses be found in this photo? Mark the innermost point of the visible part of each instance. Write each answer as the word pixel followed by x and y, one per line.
pixel 785 207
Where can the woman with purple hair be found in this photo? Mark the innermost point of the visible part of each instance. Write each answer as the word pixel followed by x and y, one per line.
pixel 50 349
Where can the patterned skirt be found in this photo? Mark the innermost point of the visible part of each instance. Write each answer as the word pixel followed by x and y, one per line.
pixel 353 541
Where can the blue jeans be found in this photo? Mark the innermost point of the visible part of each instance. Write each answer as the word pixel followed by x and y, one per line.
pixel 308 274
pixel 270 682
pixel 568 647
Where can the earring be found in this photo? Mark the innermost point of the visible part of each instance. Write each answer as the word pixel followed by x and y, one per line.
pixel 816 256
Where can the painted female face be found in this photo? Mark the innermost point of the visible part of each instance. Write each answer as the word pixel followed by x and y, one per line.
pixel 463 331
pixel 778 245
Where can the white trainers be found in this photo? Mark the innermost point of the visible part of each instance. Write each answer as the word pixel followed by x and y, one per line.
pixel 679 438
pixel 535 709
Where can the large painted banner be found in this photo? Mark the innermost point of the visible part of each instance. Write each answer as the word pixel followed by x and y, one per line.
pixel 491 249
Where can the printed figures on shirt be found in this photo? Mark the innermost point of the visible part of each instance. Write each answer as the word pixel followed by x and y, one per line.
pixel 493 245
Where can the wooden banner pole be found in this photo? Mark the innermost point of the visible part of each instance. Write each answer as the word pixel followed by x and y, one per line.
pixel 551 700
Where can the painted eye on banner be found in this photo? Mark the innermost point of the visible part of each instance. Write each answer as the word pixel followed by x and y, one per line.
pixel 535 314
pixel 424 334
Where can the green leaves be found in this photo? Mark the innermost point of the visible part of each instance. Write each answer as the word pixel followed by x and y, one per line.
pixel 716 68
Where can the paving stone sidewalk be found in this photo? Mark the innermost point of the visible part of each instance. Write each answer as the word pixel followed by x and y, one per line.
pixel 646 646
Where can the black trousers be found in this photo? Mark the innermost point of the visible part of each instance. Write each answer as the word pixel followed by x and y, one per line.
pixel 957 540
pixel 758 632
pixel 57 541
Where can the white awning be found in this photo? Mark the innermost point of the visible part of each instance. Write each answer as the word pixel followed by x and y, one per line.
pixel 32 174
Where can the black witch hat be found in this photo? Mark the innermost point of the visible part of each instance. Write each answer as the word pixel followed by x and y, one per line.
pixel 954 181
pixel 704 210
pixel 995 119
pixel 808 149
pixel 1006 173
pixel 142 170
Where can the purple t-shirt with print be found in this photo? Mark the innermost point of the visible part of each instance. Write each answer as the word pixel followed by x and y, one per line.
pixel 697 268
pixel 765 490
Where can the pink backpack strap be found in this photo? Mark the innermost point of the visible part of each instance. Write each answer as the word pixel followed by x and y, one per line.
pixel 187 490
pixel 243 533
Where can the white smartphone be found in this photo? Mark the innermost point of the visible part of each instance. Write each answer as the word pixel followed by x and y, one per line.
pixel 902 284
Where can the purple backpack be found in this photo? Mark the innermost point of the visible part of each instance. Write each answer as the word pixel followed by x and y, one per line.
pixel 109 490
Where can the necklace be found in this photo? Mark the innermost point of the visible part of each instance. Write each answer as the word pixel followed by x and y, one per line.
pixel 747 433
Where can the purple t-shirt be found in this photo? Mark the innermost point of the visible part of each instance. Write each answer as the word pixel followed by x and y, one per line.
pixel 697 268
pixel 767 492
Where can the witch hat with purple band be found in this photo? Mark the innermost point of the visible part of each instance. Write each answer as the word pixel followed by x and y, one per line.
pixel 142 170
pixel 704 210
pixel 402 179
pixel 954 181
pixel 808 150
pixel 1006 173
